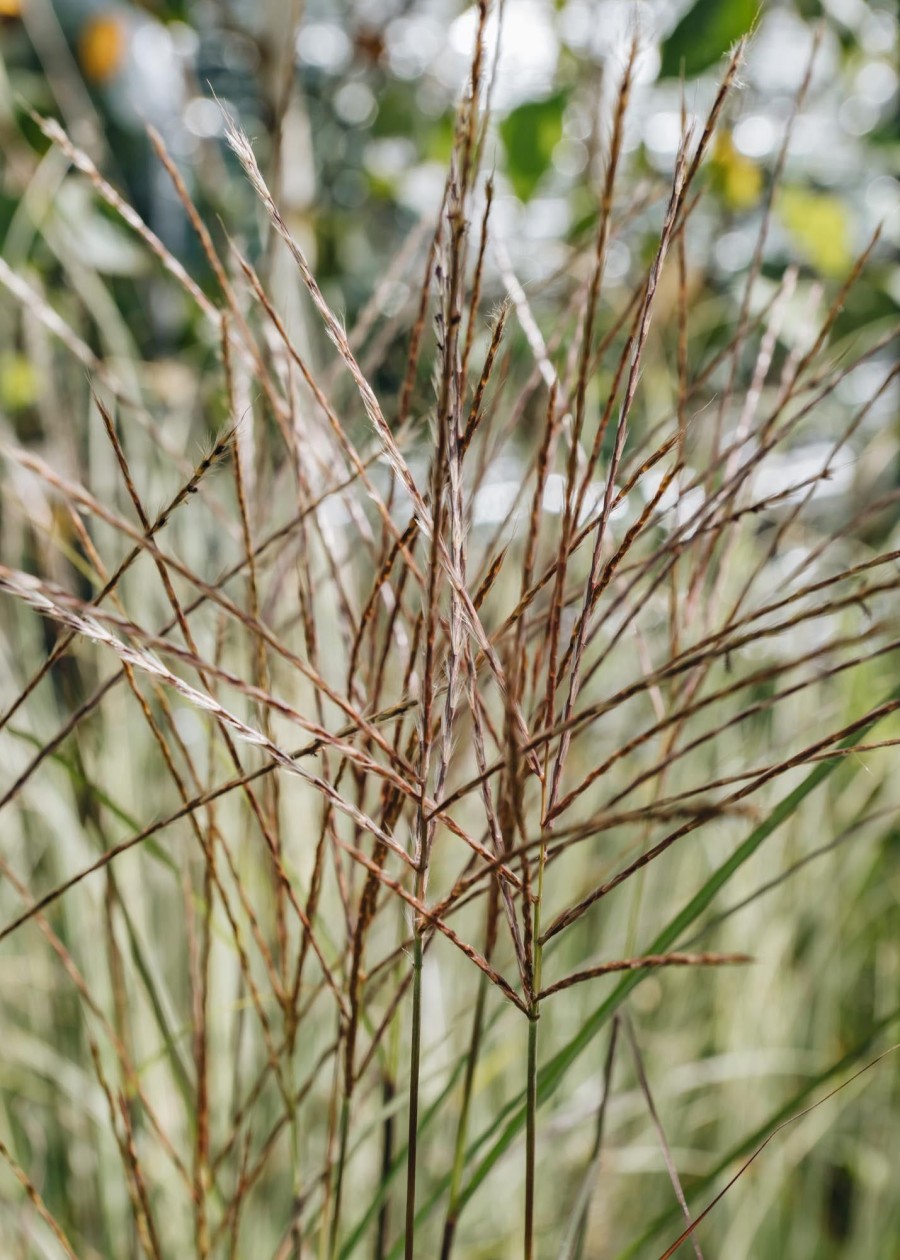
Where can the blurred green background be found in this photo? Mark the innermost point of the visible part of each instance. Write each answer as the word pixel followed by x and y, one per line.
pixel 350 107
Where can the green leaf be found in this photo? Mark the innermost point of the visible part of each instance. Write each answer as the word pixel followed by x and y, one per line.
pixel 705 33
pixel 530 134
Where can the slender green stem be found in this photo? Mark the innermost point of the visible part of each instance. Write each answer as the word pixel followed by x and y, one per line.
pixel 353 1240
pixel 530 1135
pixel 414 1057
pixel 532 1082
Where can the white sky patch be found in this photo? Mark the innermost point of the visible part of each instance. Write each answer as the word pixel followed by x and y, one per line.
pixel 528 56
pixel 494 502
pixel 782 473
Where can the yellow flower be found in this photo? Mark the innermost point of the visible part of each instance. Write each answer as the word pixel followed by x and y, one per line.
pixel 101 48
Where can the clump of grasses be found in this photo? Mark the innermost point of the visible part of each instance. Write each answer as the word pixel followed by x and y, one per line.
pixel 345 815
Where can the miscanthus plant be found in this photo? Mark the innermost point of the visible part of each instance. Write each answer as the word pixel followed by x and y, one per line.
pixel 454 813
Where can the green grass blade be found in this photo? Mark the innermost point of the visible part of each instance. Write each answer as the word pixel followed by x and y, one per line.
pixel 81 782
pixel 552 1073
pixel 150 846
pixel 748 1144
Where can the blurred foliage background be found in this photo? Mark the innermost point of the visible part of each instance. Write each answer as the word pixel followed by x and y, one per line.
pixel 350 107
